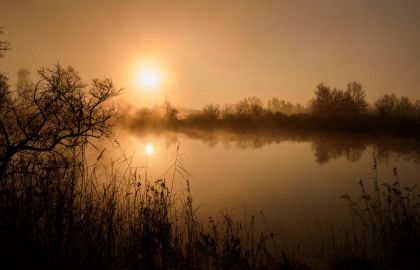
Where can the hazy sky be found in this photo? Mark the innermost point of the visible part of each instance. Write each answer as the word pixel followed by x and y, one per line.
pixel 221 51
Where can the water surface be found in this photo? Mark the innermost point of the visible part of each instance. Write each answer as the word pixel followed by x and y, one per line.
pixel 296 180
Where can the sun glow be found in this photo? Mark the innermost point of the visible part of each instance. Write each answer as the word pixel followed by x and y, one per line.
pixel 148 78
pixel 149 149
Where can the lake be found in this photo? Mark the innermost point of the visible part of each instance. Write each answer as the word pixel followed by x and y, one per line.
pixel 294 179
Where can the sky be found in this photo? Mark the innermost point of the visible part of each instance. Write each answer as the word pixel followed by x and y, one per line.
pixel 220 51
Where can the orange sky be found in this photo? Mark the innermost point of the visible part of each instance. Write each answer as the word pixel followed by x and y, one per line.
pixel 221 51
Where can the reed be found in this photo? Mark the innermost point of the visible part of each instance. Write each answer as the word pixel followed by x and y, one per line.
pixel 66 214
pixel 385 227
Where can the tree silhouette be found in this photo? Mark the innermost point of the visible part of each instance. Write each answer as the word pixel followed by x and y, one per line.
pixel 211 112
pixel 357 97
pixel 405 107
pixel 321 103
pixel 57 112
pixel 386 105
pixel 4 45
pixel 249 106
pixel 274 105
pixel 338 102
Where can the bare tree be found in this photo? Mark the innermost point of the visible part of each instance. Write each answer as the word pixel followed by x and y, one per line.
pixel 405 107
pixel 250 106
pixel 275 105
pixel 321 103
pixel 57 112
pixel 338 102
pixel 385 106
pixel 4 45
pixel 211 112
pixel 358 97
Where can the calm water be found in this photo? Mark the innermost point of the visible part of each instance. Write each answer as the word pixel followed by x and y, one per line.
pixel 295 179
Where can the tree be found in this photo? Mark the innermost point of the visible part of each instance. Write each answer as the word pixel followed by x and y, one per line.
pixel 171 113
pixel 386 105
pixel 256 105
pixel 211 112
pixel 4 45
pixel 338 102
pixel 358 97
pixel 249 105
pixel 56 113
pixel 405 107
pixel 321 104
pixel 228 111
pixel 274 105
pixel 417 107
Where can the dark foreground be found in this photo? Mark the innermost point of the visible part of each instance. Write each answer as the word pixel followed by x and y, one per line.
pixel 56 215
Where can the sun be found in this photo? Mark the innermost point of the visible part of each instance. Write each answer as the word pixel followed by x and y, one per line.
pixel 149 149
pixel 149 78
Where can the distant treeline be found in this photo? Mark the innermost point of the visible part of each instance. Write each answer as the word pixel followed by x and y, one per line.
pixel 329 109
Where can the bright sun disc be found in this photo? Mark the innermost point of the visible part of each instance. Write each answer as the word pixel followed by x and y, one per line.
pixel 148 78
pixel 149 149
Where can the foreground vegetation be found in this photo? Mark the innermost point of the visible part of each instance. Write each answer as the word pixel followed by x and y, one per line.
pixel 68 217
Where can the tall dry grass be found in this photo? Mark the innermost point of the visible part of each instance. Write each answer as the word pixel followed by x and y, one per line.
pixel 61 213
pixel 385 224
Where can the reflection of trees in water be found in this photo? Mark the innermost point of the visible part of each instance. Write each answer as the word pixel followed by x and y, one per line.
pixel 402 149
pixel 325 146
pixel 385 149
